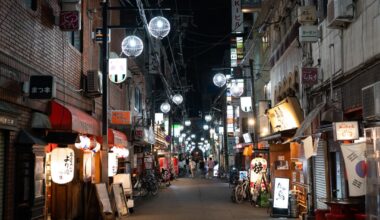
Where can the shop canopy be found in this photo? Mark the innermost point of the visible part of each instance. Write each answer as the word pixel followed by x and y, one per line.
pixel 69 118
pixel 117 138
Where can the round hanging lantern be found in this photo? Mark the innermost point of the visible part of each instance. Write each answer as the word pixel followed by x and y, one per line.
pixel 219 79
pixel 132 46
pixel 208 118
pixel 177 99
pixel 236 90
pixel 205 127
pixel 159 27
pixel 187 123
pixel 62 165
pixel 165 107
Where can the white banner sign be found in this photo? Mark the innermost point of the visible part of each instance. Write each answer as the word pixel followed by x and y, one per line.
pixel 237 17
pixel 346 130
pixel 354 160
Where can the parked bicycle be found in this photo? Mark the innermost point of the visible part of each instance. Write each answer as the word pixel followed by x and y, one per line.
pixel 242 191
pixel 150 184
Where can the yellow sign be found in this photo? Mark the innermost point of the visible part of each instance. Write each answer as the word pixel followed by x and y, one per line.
pixel 285 115
pixel 121 117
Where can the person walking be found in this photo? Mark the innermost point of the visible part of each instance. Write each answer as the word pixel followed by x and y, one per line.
pixel 193 168
pixel 210 167
pixel 202 168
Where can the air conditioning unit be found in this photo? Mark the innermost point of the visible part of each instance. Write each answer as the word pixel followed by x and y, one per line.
pixel 339 13
pixel 94 83
pixel 371 101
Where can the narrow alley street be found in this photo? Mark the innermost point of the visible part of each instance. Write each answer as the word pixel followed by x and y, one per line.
pixel 193 199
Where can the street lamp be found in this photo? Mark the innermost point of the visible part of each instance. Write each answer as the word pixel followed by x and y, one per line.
pixel 187 123
pixel 159 27
pixel 132 46
pixel 219 79
pixel 205 127
pixel 177 99
pixel 165 107
pixel 208 118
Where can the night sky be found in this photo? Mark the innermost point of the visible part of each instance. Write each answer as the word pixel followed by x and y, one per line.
pixel 206 41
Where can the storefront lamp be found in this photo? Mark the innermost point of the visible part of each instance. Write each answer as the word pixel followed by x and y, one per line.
pixel 205 127
pixel 62 165
pixel 159 27
pixel 219 79
pixel 132 46
pixel 208 118
pixel 251 122
pixel 165 107
pixel 177 99
pixel 187 123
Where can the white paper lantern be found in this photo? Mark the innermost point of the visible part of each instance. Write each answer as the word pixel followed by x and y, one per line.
pixel 219 79
pixel 237 89
pixel 205 127
pixel 208 118
pixel 159 27
pixel 187 123
pixel 177 99
pixel 132 46
pixel 62 165
pixel 112 164
pixel 165 107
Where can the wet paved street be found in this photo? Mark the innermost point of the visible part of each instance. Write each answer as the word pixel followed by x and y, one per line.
pixel 193 199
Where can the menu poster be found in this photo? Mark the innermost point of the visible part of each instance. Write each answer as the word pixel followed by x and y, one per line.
pixel 103 197
pixel 280 197
pixel 119 199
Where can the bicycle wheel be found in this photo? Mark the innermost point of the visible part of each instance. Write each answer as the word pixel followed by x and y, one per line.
pixel 154 189
pixel 239 194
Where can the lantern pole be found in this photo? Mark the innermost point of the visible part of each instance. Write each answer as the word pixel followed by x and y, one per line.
pixel 104 149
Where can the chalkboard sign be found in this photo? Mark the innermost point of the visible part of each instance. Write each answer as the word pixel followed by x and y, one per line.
pixel 103 198
pixel 119 199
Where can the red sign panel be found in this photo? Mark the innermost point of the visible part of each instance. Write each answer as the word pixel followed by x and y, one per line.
pixel 309 76
pixel 69 20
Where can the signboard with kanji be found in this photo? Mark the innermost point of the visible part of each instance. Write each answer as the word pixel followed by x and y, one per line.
pixel 42 87
pixel 69 21
pixel 309 75
pixel 121 117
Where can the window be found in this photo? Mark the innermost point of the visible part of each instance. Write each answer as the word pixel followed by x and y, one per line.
pixel 32 4
pixel 75 39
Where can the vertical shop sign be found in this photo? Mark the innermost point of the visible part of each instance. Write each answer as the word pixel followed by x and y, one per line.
pixel 237 17
pixel 309 76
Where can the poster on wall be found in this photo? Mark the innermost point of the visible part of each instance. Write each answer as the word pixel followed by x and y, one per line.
pixel 280 197
pixel 354 160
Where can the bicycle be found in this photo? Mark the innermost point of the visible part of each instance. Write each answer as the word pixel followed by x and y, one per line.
pixel 242 191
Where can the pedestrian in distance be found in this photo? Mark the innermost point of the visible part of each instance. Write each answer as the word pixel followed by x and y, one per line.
pixel 193 168
pixel 202 168
pixel 210 168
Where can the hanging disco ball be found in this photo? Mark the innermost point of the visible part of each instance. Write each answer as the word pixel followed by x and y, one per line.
pixel 159 27
pixel 208 118
pixel 219 79
pixel 165 107
pixel 187 123
pixel 236 90
pixel 177 99
pixel 205 127
pixel 132 46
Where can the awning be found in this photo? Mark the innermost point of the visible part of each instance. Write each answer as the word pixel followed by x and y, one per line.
pixel 307 122
pixel 40 120
pixel 69 118
pixel 279 136
pixel 117 138
pixel 25 137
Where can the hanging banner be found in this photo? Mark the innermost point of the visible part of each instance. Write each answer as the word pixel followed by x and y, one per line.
pixel 237 17
pixel 354 161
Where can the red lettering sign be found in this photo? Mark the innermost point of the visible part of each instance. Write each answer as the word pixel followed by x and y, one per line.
pixel 309 76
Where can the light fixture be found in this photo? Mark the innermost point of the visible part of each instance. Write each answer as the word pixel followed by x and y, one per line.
pixel 177 99
pixel 62 165
pixel 219 79
pixel 192 136
pixel 165 107
pixel 159 27
pixel 205 127
pixel 251 122
pixel 208 118
pixel 187 123
pixel 132 46
pixel 246 103
pixel 236 89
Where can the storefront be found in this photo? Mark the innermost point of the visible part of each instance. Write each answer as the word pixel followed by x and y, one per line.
pixel 70 174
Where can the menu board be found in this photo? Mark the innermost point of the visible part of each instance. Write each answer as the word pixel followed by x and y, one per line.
pixel 103 197
pixel 119 199
pixel 280 197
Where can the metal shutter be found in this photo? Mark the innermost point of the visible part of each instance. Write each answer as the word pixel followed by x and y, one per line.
pixel 2 147
pixel 319 171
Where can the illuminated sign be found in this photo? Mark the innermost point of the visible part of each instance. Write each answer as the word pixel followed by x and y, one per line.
pixel 121 117
pixel 347 130
pixel 237 17
pixel 285 115
pixel 281 193
pixel 117 69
